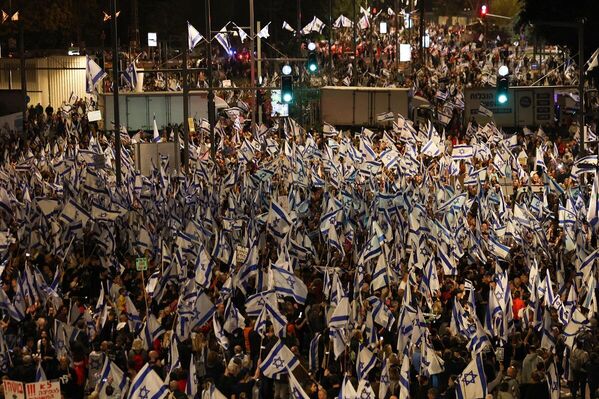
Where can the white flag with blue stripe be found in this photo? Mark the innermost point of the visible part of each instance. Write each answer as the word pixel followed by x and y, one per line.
pixel 94 74
pixel 288 284
pixel 111 375
pixel 193 36
pixel 472 383
pixel 279 360
pixel 147 385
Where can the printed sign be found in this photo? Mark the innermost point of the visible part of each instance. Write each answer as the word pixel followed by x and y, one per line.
pixel 43 390
pixel 141 264
pixel 241 253
pixel 14 389
pixel 94 116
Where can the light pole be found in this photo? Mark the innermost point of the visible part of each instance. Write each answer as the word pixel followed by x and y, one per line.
pixel 115 93
pixel 355 34
pixel 211 106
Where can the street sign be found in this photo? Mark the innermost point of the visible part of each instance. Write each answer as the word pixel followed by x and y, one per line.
pixel 141 264
pixel 152 39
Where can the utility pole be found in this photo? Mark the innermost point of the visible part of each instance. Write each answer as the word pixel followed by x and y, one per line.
pixel 185 106
pixel 135 40
pixel 23 71
pixel 330 41
pixel 355 33
pixel 211 105
pixel 115 93
pixel 581 81
pixel 252 66
pixel 257 106
pixel 422 30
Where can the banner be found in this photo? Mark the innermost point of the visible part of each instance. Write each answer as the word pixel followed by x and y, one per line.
pixel 43 390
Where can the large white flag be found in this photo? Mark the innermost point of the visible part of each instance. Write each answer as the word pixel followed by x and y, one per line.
pixel 147 384
pixel 592 216
pixel 193 36
pixel 472 383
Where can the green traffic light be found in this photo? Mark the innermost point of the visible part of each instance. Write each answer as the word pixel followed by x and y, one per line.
pixel 502 98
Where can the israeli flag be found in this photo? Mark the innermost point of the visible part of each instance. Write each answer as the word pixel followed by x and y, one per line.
pixel 156 137
pixel 193 36
pixel 592 215
pixel 279 360
pixel 222 37
pixel 94 74
pixel 462 151
pixel 147 384
pixel 472 383
pixel 112 375
pixel 130 75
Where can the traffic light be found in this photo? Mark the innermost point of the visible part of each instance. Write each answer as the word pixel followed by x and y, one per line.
pixel 503 84
pixel 286 84
pixel 484 9
pixel 312 63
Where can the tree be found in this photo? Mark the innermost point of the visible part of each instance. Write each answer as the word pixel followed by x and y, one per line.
pixel 536 11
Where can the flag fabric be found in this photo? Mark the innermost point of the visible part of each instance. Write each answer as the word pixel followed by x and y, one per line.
pixel 366 362
pixel 297 392
pixel 343 22
pixel 111 375
pixel 485 111
pixel 279 360
pixel 288 284
pixel 472 383
pixel 94 75
pixel 263 34
pixel 592 209
pixel 147 384
pixel 156 134
pixel 593 62
pixel 288 27
pixel 462 151
pixel 193 36
pixel 40 375
pixel 130 75
pixel 347 390
pixel 222 37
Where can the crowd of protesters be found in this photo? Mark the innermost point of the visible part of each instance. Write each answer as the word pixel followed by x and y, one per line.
pixel 443 258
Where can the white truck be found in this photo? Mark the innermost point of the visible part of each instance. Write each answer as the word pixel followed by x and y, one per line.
pixel 527 106
pixel 359 106
pixel 137 110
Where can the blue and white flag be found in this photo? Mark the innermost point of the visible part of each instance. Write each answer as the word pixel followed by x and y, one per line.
pixel 156 136
pixel 347 390
pixel 151 331
pixel 592 212
pixel 385 381
pixel 191 389
pixel 147 385
pixel 297 392
pixel 288 284
pixel 111 375
pixel 313 358
pixel 93 75
pixel 222 37
pixel 40 375
pixel 404 378
pixel 365 362
pixel 472 383
pixel 340 316
pixel 193 36
pixel 279 360
pixel 130 75
pixel 462 151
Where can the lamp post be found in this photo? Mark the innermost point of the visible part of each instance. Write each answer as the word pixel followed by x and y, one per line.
pixel 115 92
pixel 211 106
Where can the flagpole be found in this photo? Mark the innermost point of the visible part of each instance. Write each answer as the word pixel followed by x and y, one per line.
pixel 185 107
pixel 115 88
pixel 252 67
pixel 211 106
